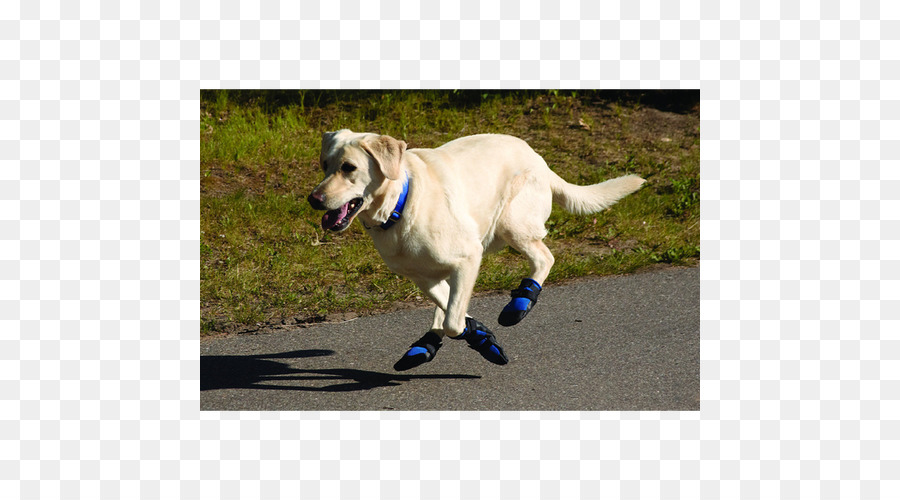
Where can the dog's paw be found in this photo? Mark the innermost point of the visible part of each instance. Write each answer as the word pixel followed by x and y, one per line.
pixel 523 299
pixel 482 340
pixel 422 351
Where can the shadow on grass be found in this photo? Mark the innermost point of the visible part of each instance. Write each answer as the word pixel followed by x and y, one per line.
pixel 672 100
pixel 319 98
pixel 259 371
pixel 681 101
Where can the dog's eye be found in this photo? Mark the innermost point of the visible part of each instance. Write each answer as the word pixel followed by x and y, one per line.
pixel 347 168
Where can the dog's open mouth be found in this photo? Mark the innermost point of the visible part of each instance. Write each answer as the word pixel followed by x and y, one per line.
pixel 339 218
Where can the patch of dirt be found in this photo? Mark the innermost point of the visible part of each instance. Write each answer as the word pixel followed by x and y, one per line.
pixel 654 126
pixel 583 248
pixel 273 177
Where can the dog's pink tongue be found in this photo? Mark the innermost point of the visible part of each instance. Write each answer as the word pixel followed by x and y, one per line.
pixel 332 217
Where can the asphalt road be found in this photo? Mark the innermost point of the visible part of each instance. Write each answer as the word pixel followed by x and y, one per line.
pixel 618 343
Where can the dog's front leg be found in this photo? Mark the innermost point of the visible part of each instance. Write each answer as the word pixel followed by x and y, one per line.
pixel 424 349
pixel 459 326
pixel 462 281
pixel 452 300
pixel 439 293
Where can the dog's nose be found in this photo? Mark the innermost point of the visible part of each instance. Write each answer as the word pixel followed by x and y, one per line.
pixel 317 201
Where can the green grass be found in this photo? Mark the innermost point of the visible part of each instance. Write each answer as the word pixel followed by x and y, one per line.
pixel 265 259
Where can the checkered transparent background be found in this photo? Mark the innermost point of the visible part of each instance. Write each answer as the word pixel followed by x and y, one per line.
pixel 800 295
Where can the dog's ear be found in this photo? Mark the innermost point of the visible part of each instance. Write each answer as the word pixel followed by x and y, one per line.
pixel 387 152
pixel 328 138
pixel 327 141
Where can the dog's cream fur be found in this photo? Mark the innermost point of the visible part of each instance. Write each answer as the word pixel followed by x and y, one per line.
pixel 472 195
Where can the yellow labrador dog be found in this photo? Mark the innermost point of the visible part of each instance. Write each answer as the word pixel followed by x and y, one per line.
pixel 433 213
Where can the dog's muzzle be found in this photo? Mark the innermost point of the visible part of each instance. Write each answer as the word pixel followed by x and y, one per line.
pixel 316 201
pixel 339 218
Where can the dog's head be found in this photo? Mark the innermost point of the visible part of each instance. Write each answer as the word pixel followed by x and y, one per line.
pixel 357 168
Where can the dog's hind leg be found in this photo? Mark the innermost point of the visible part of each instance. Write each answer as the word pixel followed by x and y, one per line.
pixel 521 226
pixel 539 257
pixel 525 297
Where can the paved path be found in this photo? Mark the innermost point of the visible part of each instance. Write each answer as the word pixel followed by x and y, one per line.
pixel 618 343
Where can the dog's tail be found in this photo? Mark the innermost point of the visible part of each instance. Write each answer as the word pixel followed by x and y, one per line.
pixel 589 199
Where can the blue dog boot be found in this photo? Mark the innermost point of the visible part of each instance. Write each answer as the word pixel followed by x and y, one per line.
pixel 482 340
pixel 523 299
pixel 422 351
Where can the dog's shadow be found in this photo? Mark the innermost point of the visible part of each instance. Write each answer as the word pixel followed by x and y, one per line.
pixel 259 371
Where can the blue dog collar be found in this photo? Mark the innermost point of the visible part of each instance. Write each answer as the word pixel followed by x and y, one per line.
pixel 401 202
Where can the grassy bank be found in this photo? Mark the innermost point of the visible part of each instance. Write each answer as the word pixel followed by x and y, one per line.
pixel 266 260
